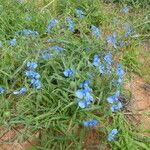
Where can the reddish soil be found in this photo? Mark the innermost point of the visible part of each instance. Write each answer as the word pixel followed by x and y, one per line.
pixel 139 104
pixel 9 137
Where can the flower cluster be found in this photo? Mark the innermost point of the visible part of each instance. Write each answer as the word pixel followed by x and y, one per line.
pixel 84 99
pixel 112 135
pixel 114 101
pixel 51 25
pixel 46 55
pixel 103 68
pixel 27 32
pixel 90 123
pixel 98 63
pixel 70 24
pixel 13 42
pixel 68 72
pixel 128 30
pixel 80 13
pixel 84 94
pixel 36 83
pixel 120 73
pixel 21 91
pixel 57 48
pixel 112 39
pixel 95 31
pixel 32 74
pixel 125 9
pixel 31 65
pixel 108 59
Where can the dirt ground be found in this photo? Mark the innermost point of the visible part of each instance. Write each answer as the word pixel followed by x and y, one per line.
pixel 9 138
pixel 139 105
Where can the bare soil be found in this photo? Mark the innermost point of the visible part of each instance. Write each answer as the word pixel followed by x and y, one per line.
pixel 139 105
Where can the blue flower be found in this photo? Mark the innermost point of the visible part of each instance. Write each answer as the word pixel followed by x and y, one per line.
pixel 86 82
pixel 97 63
pixel 125 9
pixel 80 13
pixel 83 103
pixel 46 56
pixel 52 23
pixel 32 65
pixel 1 44
pixel 13 42
pixel 70 24
pixel 120 73
pixel 89 97
pixel 85 86
pixel 2 90
pixel 116 83
pixel 80 93
pixel 32 74
pixel 121 43
pixel 128 30
pixel 27 32
pixel 68 72
pixel 90 123
pixel 36 83
pixel 21 91
pixel 108 58
pixel 112 135
pixel 112 39
pixel 29 18
pixel 84 96
pixel 57 48
pixel 114 98
pixel 116 107
pixel 101 68
pixel 95 31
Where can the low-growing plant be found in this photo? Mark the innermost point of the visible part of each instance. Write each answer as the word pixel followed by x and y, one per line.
pixel 61 75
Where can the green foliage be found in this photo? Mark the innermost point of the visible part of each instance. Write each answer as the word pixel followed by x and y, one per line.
pixel 133 3
pixel 53 110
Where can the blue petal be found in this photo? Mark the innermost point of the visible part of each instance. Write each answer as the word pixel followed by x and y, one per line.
pixel 80 94
pixel 13 42
pixel 95 31
pixel 89 97
pixel 70 24
pixel 112 135
pixel 32 65
pixel 83 104
pixel 2 90
pixel 111 99
pixel 90 123
pixel 80 13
